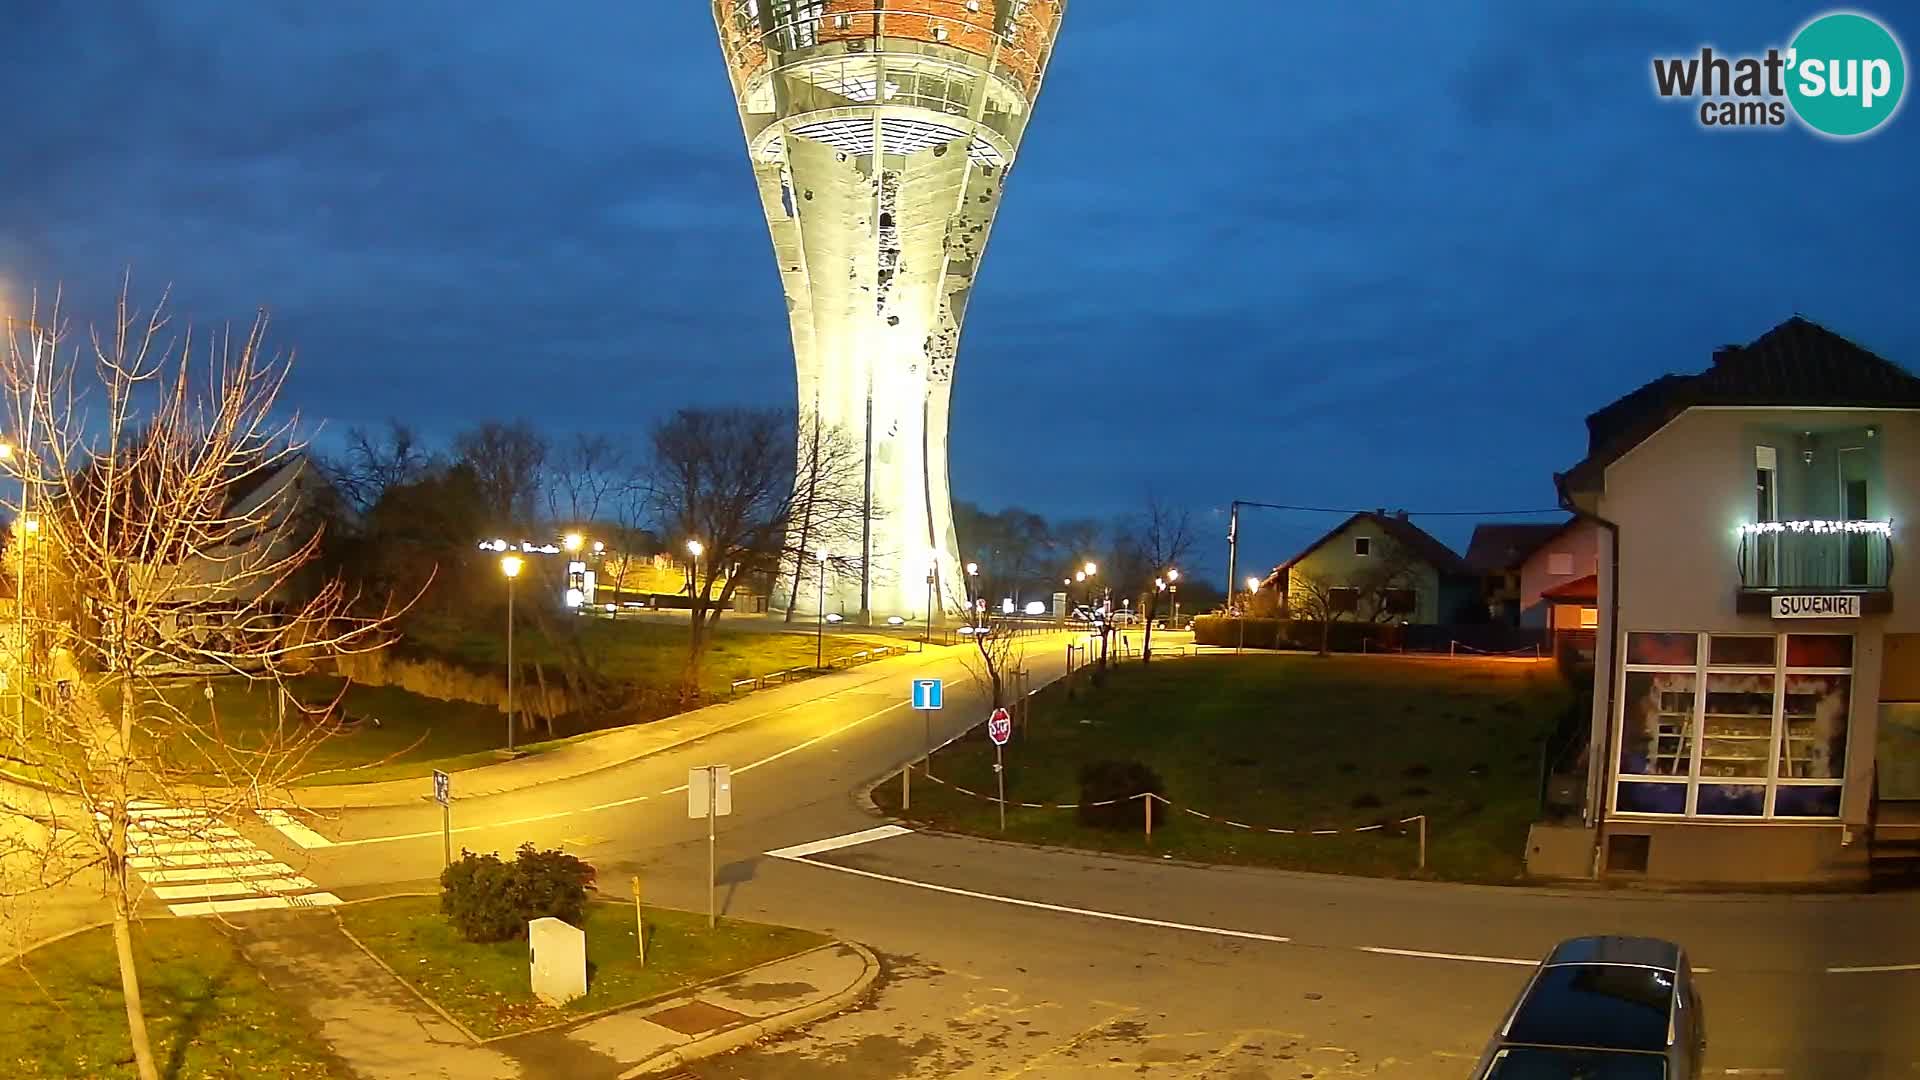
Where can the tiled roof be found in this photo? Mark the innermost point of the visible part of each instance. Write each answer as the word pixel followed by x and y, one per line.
pixel 1798 363
pixel 1500 546
pixel 1581 590
pixel 1418 542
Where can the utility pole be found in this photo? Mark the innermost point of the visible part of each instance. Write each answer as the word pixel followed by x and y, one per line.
pixel 1233 551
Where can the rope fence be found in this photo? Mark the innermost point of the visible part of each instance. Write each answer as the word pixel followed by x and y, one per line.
pixel 1419 820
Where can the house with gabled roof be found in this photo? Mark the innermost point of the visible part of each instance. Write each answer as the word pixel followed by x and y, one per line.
pixel 1380 567
pixel 1756 713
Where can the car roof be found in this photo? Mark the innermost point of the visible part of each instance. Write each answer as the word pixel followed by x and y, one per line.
pixel 1542 1063
pixel 1602 1006
pixel 1643 951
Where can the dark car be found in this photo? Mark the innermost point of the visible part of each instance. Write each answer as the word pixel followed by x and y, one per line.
pixel 1603 1008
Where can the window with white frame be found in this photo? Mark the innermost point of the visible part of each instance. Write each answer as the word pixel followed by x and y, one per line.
pixel 1734 726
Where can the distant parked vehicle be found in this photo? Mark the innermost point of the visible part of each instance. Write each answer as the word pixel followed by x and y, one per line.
pixel 1603 1008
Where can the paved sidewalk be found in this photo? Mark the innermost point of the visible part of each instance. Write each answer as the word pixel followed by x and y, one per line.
pixel 622 745
pixel 382 1030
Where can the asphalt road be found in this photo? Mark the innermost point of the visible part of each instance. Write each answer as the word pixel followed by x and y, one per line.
pixel 1006 961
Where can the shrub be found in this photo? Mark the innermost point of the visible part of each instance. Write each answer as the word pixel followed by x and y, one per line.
pixel 1224 630
pixel 1116 782
pixel 487 899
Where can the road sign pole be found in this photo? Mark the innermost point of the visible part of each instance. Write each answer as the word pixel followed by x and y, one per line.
pixel 639 924
pixel 713 787
pixel 927 715
pixel 446 833
pixel 1000 777
pixel 906 787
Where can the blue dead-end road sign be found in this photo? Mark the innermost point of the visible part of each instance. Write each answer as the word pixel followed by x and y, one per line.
pixel 926 693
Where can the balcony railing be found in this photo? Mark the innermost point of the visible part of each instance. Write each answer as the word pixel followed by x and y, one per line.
pixel 1801 555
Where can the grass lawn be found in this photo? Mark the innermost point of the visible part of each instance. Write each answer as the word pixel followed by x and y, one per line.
pixel 644 652
pixel 486 986
pixel 415 734
pixel 208 1013
pixel 1286 741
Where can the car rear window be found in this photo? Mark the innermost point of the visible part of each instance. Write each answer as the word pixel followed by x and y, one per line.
pixel 1532 1063
pixel 1596 1005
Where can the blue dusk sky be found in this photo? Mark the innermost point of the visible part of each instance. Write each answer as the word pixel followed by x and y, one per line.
pixel 1358 254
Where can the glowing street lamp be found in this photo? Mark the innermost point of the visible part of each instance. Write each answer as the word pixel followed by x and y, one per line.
pixel 973 592
pixel 573 541
pixel 510 566
pixel 694 548
pixel 1173 589
pixel 1253 587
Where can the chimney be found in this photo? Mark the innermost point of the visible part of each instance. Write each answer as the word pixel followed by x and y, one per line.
pixel 1401 514
pixel 1379 511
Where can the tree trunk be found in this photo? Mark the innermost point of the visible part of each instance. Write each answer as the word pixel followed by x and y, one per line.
pixel 1146 639
pixel 1326 636
pixel 696 649
pixel 117 871
pixel 130 987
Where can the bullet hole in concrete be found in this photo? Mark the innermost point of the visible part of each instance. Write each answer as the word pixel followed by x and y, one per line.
pixel 809 194
pixel 886 221
pixel 893 320
pixel 940 150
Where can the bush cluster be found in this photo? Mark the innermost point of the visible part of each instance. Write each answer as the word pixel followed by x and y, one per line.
pixel 1116 782
pixel 488 899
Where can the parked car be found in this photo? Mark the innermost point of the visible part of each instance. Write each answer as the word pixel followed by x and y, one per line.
pixel 1603 1008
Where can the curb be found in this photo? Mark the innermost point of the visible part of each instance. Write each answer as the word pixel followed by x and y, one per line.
pixel 734 1038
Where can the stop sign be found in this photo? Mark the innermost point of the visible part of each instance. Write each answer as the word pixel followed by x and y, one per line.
pixel 999 727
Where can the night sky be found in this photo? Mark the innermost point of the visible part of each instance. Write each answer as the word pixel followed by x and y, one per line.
pixel 1358 254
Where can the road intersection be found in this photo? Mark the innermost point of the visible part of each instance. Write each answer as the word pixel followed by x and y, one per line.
pixel 1005 960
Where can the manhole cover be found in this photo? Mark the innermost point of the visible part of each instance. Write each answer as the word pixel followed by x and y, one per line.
pixel 695 1017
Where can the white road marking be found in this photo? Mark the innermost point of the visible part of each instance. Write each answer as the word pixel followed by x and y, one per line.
pixel 835 843
pixel 771 758
pixel 1870 969
pixel 218 873
pixel 293 829
pixel 1468 957
pixel 254 903
pixel 1037 905
pixel 251 887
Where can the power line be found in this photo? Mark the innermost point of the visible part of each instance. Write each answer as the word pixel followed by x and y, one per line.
pixel 1409 513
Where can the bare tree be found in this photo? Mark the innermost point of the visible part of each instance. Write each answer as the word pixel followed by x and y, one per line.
pixel 506 460
pixel 1386 589
pixel 375 461
pixel 726 480
pixel 1160 537
pixel 164 489
pixel 585 475
pixel 1313 598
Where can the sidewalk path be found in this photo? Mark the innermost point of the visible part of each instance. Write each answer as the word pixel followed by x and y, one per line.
pixel 366 1016
pixel 382 1030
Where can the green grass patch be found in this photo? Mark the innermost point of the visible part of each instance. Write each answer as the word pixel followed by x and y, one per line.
pixel 486 986
pixel 1290 742
pixel 209 1014
pixel 644 652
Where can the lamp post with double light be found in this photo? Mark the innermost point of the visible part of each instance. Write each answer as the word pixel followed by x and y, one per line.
pixel 1173 591
pixel 510 566
pixel 1253 587
pixel 973 595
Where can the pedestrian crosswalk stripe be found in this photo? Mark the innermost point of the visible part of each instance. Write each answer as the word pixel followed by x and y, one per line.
pixel 191 856
pixel 250 887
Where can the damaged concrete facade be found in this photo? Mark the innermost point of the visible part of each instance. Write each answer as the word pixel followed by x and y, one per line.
pixel 881 133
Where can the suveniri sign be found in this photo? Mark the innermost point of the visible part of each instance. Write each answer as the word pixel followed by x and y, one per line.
pixel 1843 606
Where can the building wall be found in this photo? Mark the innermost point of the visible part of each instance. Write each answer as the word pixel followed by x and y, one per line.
pixel 1678 500
pixel 1581 543
pixel 1335 563
pixel 880 138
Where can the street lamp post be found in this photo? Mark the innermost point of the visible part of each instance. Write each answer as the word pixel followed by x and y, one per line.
pixel 694 548
pixel 1173 590
pixel 510 566
pixel 820 611
pixel 933 565
pixel 973 594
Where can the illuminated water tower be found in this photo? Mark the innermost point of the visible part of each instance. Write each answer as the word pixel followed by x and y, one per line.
pixel 881 133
